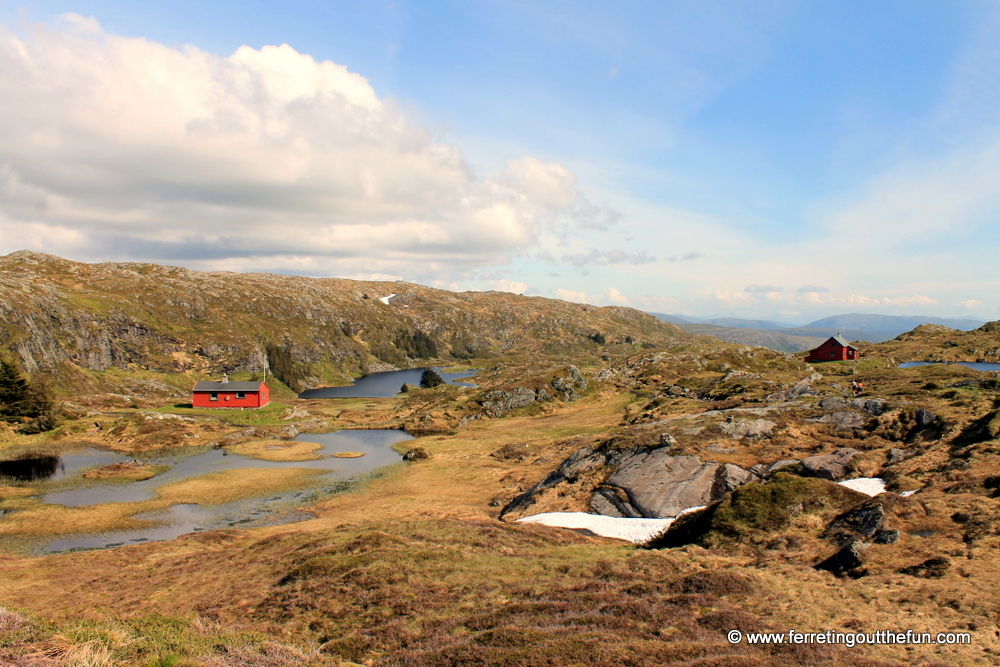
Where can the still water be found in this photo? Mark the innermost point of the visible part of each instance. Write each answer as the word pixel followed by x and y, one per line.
pixel 384 385
pixel 974 365
pixel 185 518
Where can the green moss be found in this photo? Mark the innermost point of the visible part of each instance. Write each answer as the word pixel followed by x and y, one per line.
pixel 750 513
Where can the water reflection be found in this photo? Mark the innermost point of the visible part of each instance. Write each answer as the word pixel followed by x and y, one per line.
pixel 384 385
pixel 30 470
pixel 185 518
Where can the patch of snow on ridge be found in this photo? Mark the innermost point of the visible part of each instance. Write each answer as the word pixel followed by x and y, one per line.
pixel 632 530
pixel 870 486
pixel 385 299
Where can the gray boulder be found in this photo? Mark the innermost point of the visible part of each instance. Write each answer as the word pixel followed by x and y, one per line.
pixel 830 466
pixel 750 429
pixel 654 484
pixel 847 561
pixel 843 420
pixel 569 385
pixel 498 401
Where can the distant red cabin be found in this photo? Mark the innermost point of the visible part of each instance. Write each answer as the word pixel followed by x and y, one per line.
pixel 834 349
pixel 227 394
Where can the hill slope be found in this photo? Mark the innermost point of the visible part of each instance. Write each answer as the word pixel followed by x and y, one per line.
pixel 67 316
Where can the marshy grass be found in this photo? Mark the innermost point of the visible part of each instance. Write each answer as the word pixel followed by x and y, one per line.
pixel 278 450
pixel 347 455
pixel 34 518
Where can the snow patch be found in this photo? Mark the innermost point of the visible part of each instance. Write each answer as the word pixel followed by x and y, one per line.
pixel 632 530
pixel 385 299
pixel 870 486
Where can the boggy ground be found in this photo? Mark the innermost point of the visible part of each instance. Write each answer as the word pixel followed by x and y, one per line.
pixel 415 569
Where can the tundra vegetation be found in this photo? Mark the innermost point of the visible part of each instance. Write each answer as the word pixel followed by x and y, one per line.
pixel 424 563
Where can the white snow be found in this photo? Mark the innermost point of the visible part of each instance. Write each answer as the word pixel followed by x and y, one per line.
pixel 633 530
pixel 870 486
pixel 907 494
pixel 385 299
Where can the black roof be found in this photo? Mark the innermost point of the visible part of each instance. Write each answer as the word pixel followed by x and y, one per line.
pixel 844 343
pixel 206 385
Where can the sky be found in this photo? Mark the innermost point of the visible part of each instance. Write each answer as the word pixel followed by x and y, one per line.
pixel 767 159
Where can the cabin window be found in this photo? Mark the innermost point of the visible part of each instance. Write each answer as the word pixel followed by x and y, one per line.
pixel 213 396
pixel 241 394
pixel 832 354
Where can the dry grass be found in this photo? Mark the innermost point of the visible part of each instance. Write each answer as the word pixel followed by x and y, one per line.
pixel 278 450
pixel 347 455
pixel 15 492
pixel 133 472
pixel 44 519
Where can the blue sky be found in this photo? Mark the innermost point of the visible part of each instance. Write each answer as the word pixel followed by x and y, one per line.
pixel 783 160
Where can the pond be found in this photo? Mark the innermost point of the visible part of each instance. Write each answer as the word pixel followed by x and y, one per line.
pixel 376 445
pixel 384 385
pixel 974 365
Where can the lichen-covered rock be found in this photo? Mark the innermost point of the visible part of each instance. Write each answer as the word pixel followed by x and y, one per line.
pixel 749 429
pixel 847 561
pixel 654 484
pixel 830 466
pixel 498 401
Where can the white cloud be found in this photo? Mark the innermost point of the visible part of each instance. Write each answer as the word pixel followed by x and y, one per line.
pixel 114 146
pixel 970 304
pixel 508 286
pixel 571 295
pixel 762 289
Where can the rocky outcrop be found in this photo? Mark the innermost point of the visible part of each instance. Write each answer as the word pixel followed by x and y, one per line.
pixel 498 401
pixel 801 388
pixel 872 406
pixel 635 482
pixel 654 484
pixel 570 385
pixel 842 420
pixel 749 429
pixel 830 466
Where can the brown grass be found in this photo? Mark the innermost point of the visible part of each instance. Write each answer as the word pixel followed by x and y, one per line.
pixel 278 450
pixel 347 455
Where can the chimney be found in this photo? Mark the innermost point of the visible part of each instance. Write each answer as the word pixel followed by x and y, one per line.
pixel 225 378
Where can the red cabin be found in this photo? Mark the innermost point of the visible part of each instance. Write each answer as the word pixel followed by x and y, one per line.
pixel 228 394
pixel 834 349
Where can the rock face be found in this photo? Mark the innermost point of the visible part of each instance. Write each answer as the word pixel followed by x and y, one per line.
pixel 847 561
pixel 499 401
pixel 830 466
pixel 654 484
pixel 571 385
pixel 750 429
pixel 873 406
pixel 843 420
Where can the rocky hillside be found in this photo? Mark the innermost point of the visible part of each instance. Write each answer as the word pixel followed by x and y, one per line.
pixel 933 342
pixel 72 319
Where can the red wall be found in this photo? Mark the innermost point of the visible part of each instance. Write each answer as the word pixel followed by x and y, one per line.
pixel 839 353
pixel 227 399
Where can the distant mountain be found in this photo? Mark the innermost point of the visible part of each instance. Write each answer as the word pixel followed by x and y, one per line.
pixel 772 340
pixel 672 319
pixel 890 324
pixel 849 334
pixel 740 323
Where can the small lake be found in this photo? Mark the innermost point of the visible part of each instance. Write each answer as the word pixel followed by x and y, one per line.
pixel 185 518
pixel 384 385
pixel 974 365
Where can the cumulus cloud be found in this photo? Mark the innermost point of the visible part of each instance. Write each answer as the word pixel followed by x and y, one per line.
pixel 115 146
pixel 970 303
pixel 813 289
pixel 762 289
pixel 602 258
pixel 609 297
